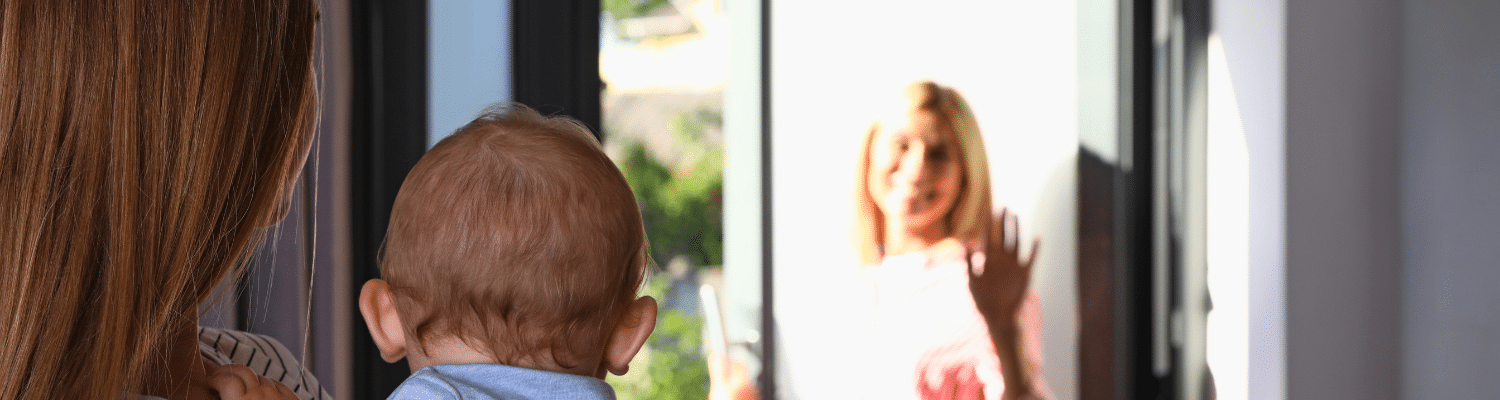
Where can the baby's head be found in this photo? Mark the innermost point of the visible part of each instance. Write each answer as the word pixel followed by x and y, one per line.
pixel 515 241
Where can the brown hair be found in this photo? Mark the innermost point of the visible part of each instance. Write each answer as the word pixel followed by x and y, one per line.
pixel 143 146
pixel 972 207
pixel 518 236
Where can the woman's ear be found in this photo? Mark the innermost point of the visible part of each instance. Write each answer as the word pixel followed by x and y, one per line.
pixel 378 305
pixel 630 335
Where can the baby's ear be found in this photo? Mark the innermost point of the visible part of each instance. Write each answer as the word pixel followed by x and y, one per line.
pixel 630 335
pixel 378 305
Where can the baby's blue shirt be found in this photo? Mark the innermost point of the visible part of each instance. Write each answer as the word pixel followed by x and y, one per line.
pixel 496 381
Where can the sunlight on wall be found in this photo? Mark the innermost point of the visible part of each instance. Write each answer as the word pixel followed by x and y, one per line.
pixel 1228 232
pixel 1015 63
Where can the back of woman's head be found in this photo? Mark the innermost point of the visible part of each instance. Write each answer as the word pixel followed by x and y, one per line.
pixel 143 146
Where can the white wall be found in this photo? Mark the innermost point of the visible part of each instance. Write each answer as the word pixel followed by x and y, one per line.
pixel 832 63
pixel 1253 34
pixel 1450 199
pixel 1343 263
pixel 1390 195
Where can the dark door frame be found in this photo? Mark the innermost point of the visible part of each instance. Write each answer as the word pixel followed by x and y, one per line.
pixel 556 70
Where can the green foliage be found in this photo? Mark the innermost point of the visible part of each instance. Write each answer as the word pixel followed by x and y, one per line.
pixel 630 8
pixel 678 369
pixel 672 365
pixel 683 208
pixel 622 9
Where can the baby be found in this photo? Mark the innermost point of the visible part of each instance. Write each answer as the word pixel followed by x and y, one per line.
pixel 511 265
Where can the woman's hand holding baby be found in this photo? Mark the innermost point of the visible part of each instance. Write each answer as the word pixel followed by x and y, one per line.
pixel 237 382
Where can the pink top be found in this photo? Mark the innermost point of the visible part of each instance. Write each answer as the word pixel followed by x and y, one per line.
pixel 933 342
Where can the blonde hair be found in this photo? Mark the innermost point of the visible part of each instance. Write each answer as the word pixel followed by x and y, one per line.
pixel 972 208
pixel 518 236
pixel 143 146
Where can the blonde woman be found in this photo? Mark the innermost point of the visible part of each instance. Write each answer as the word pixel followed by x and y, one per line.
pixel 954 315
pixel 145 146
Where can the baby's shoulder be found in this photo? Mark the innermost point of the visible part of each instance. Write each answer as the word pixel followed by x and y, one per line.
pixel 496 381
pixel 426 384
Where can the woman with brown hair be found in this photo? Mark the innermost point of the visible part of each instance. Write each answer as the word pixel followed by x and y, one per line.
pixel 145 145
pixel 954 316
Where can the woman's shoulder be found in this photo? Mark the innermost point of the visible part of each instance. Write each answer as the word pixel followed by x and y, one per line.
pixel 264 355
